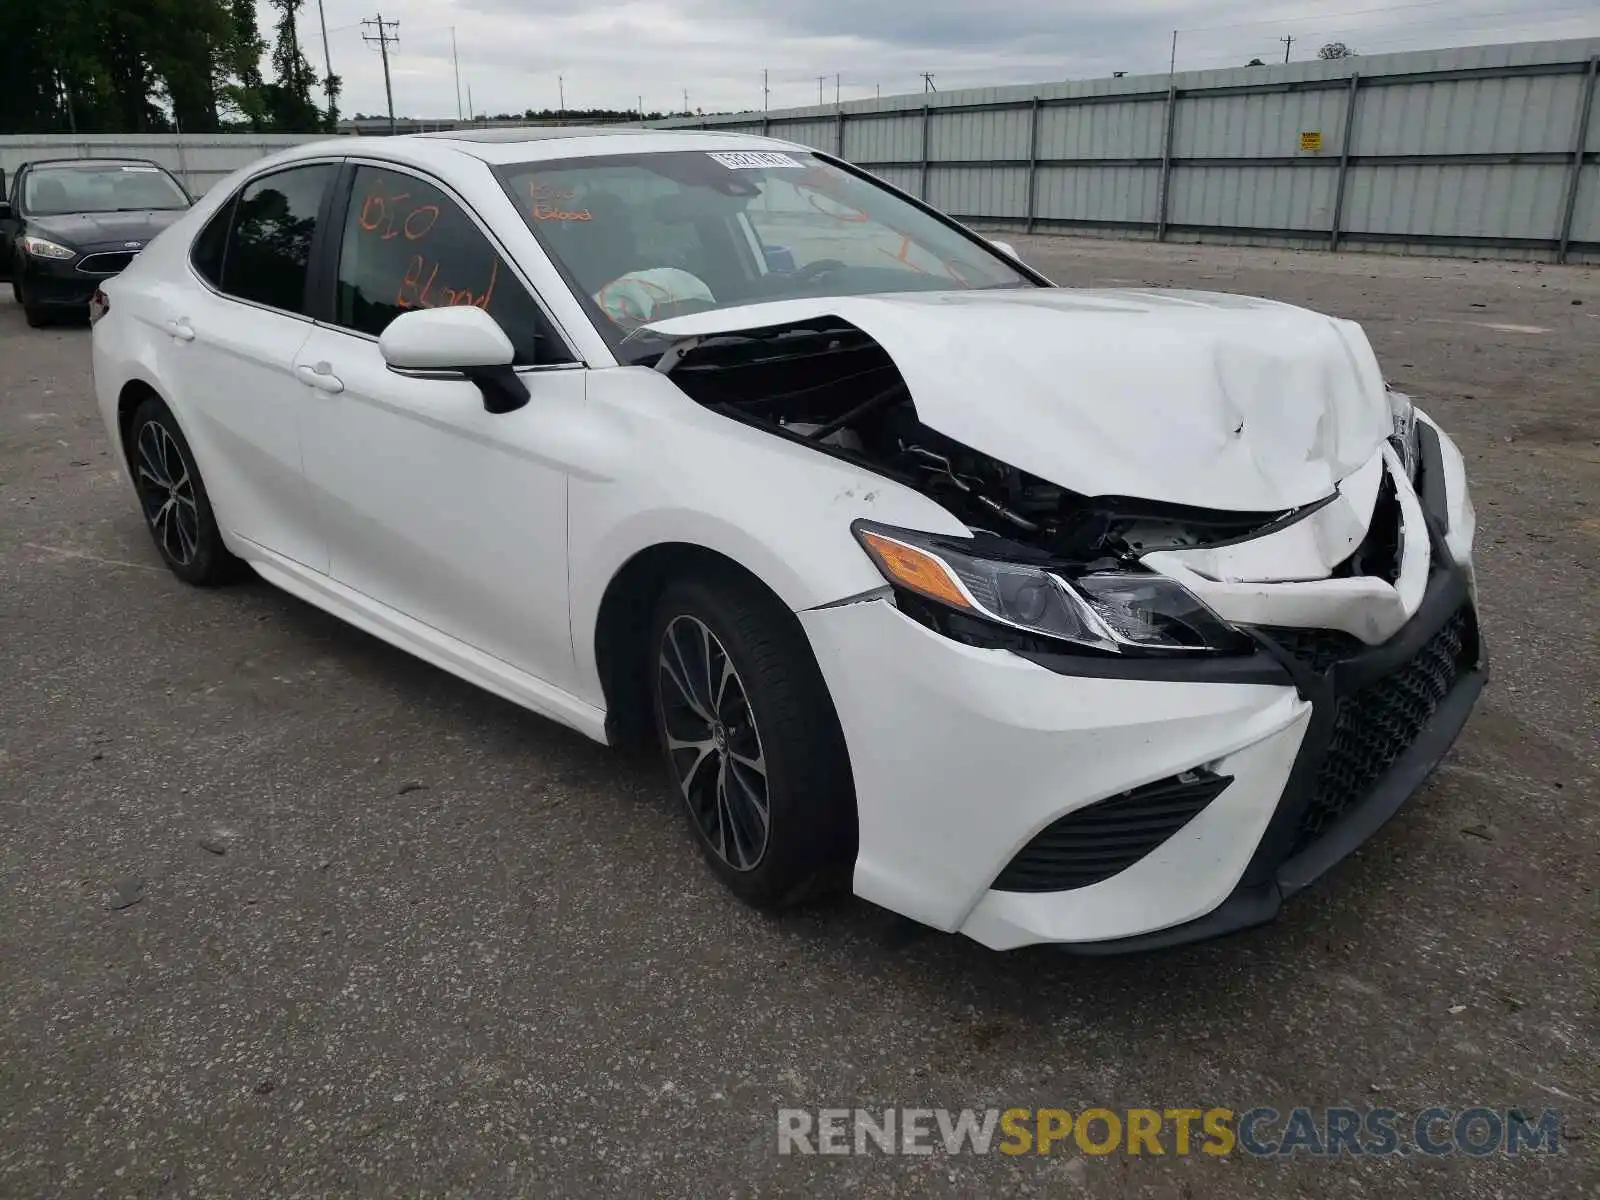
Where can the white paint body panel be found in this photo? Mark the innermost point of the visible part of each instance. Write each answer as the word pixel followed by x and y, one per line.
pixel 485 543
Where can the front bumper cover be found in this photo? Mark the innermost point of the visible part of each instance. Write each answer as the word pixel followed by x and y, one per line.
pixel 961 756
pixel 60 283
pixel 1282 866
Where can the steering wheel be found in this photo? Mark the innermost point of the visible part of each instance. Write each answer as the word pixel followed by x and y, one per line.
pixel 816 270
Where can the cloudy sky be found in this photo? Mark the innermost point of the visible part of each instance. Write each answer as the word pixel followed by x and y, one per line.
pixel 607 53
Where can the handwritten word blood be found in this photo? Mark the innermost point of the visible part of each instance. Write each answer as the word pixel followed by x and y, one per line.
pixel 417 288
pixel 549 212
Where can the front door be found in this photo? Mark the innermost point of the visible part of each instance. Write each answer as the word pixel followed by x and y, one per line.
pixel 452 515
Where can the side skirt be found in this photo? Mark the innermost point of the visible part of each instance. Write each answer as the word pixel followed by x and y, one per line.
pixel 424 641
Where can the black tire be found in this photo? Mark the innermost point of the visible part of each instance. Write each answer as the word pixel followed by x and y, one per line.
pixel 36 315
pixel 808 847
pixel 173 498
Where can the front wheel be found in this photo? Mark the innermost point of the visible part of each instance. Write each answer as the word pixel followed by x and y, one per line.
pixel 34 313
pixel 751 741
pixel 174 500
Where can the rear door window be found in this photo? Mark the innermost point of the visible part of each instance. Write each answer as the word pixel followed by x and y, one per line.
pixel 268 254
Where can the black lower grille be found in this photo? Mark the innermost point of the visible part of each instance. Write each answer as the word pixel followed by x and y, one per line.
pixel 107 264
pixel 1099 840
pixel 1377 724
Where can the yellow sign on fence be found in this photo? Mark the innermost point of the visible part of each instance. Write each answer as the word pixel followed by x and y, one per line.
pixel 1311 140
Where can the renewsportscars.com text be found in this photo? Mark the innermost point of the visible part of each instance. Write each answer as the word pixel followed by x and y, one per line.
pixel 1260 1132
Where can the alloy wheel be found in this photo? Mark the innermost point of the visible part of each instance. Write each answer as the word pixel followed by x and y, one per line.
pixel 713 743
pixel 166 491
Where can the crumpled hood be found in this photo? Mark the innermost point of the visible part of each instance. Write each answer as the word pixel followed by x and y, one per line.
pixel 1196 398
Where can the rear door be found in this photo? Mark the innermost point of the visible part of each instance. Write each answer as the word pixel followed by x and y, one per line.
pixel 232 342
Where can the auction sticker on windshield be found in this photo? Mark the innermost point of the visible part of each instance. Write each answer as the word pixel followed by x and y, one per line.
pixel 748 160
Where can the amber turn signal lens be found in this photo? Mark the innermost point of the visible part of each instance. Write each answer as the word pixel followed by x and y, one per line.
pixel 914 569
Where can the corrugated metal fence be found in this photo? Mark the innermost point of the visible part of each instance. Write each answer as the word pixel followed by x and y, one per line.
pixel 1486 150
pixel 198 159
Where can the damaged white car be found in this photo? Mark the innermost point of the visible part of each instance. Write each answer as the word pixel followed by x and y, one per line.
pixel 1104 618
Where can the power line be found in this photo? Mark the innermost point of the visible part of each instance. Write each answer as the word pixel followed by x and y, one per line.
pixel 382 39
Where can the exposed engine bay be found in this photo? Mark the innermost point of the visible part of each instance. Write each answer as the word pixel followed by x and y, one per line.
pixel 833 387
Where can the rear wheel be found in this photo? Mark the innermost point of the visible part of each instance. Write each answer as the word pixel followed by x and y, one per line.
pixel 751 741
pixel 174 500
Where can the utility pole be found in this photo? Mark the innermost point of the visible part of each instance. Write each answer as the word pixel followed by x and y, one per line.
pixel 927 82
pixel 836 89
pixel 1287 43
pixel 456 62
pixel 561 91
pixel 820 79
pixel 686 108
pixel 766 92
pixel 471 116
pixel 382 39
pixel 327 78
pixel 1172 64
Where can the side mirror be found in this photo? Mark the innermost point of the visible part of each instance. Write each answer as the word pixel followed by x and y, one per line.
pixel 1005 248
pixel 464 340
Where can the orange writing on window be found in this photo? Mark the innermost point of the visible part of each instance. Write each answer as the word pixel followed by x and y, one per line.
pixel 549 212
pixel 381 214
pixel 539 192
pixel 417 287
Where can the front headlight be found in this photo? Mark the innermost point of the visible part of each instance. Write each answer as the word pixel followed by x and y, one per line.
pixel 1110 612
pixel 42 248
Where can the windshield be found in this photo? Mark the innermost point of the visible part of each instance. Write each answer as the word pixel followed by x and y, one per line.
pixel 644 237
pixel 112 187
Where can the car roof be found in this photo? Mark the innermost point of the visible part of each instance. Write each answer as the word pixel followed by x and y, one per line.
pixel 528 133
pixel 89 163
pixel 538 143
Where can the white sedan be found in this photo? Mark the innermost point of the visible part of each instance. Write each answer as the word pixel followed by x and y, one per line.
pixel 1106 618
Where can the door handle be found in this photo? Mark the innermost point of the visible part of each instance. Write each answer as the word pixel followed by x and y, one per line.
pixel 320 377
pixel 181 330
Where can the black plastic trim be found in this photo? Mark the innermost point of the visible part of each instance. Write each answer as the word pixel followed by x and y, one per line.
pixel 1260 667
pixel 1446 594
pixel 1409 773
pixel 1252 904
pixel 1430 475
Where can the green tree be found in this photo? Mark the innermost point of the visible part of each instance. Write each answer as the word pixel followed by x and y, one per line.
pixel 122 66
pixel 30 98
pixel 288 96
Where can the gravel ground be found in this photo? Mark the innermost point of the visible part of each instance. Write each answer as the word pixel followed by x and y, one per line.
pixel 283 911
